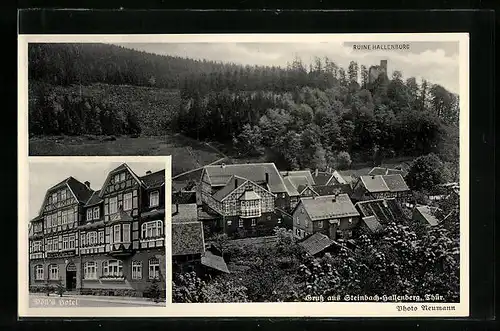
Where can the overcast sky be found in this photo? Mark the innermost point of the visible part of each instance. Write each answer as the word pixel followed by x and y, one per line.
pixel 44 175
pixel 435 61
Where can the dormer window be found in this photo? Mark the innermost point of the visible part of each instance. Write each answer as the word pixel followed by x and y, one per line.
pixel 95 213
pixel 154 198
pixel 89 214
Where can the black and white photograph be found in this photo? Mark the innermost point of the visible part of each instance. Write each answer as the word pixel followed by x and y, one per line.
pixel 305 169
pixel 96 233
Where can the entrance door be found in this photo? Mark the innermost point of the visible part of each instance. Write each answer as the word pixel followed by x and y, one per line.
pixel 70 280
pixel 70 277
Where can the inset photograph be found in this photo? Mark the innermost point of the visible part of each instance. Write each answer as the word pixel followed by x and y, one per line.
pixel 96 233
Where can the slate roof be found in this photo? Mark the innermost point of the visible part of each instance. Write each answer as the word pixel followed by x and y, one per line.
pixel 300 173
pixel 187 238
pixel 332 189
pixel 316 243
pixel 330 206
pixel 386 171
pixel 233 183
pixel 372 223
pixel 81 191
pixel 343 177
pixel 374 183
pixel 427 213
pixel 299 182
pixel 219 175
pixel 324 178
pixel 186 213
pixel 386 210
pixel 214 261
pixel 94 199
pixel 292 190
pixel 154 179
pixel 395 183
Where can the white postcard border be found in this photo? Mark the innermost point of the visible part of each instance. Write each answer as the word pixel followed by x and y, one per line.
pixel 324 309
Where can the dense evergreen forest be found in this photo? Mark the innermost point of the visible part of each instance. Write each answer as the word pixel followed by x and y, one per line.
pixel 309 116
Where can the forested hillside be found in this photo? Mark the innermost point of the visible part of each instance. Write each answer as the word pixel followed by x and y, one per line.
pixel 308 115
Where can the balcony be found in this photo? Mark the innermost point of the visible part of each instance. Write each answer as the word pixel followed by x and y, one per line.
pixel 122 249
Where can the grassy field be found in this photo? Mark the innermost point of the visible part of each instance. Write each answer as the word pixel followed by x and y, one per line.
pixel 187 154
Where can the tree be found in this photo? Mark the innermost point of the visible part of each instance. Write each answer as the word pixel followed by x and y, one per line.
pixel 250 140
pixel 425 172
pixel 343 160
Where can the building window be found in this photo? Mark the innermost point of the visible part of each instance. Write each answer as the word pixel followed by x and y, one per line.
pixel 83 242
pixel 65 243
pixel 306 223
pixel 113 205
pixel 154 268
pixel 54 197
pixel 63 195
pixel 72 242
pixel 320 224
pixel 117 234
pixel 229 223
pixel 122 177
pixel 112 268
pixel 92 238
pixel 126 233
pixel 240 223
pixel 39 272
pixel 250 208
pixel 152 229
pixel 53 272
pixel 127 201
pixel 101 237
pixel 90 270
pixel 37 246
pixel 254 222
pixel 117 178
pixel 154 198
pixel 89 214
pixel 95 213
pixel 136 270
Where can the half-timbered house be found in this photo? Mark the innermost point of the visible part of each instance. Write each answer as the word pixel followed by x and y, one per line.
pixel 110 241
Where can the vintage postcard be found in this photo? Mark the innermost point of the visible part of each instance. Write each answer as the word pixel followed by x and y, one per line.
pixel 311 175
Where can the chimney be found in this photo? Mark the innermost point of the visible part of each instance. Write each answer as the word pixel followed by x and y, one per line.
pixel 235 183
pixel 332 231
pixel 87 183
pixel 148 172
pixel 267 178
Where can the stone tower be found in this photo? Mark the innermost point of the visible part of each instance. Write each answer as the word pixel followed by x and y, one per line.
pixel 375 71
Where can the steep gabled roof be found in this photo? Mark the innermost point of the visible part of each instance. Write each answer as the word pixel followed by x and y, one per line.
pixel 185 213
pixel 372 224
pixel 395 183
pixel 187 238
pixel 219 175
pixel 377 171
pixel 324 178
pixel 232 184
pixel 299 181
pixel 121 167
pixel 214 261
pixel 292 190
pixel 332 189
pixel 374 184
pixel 330 206
pixel 427 213
pixel 155 179
pixel 316 243
pixel 300 173
pixel 80 190
pixel 386 210
pixel 94 199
